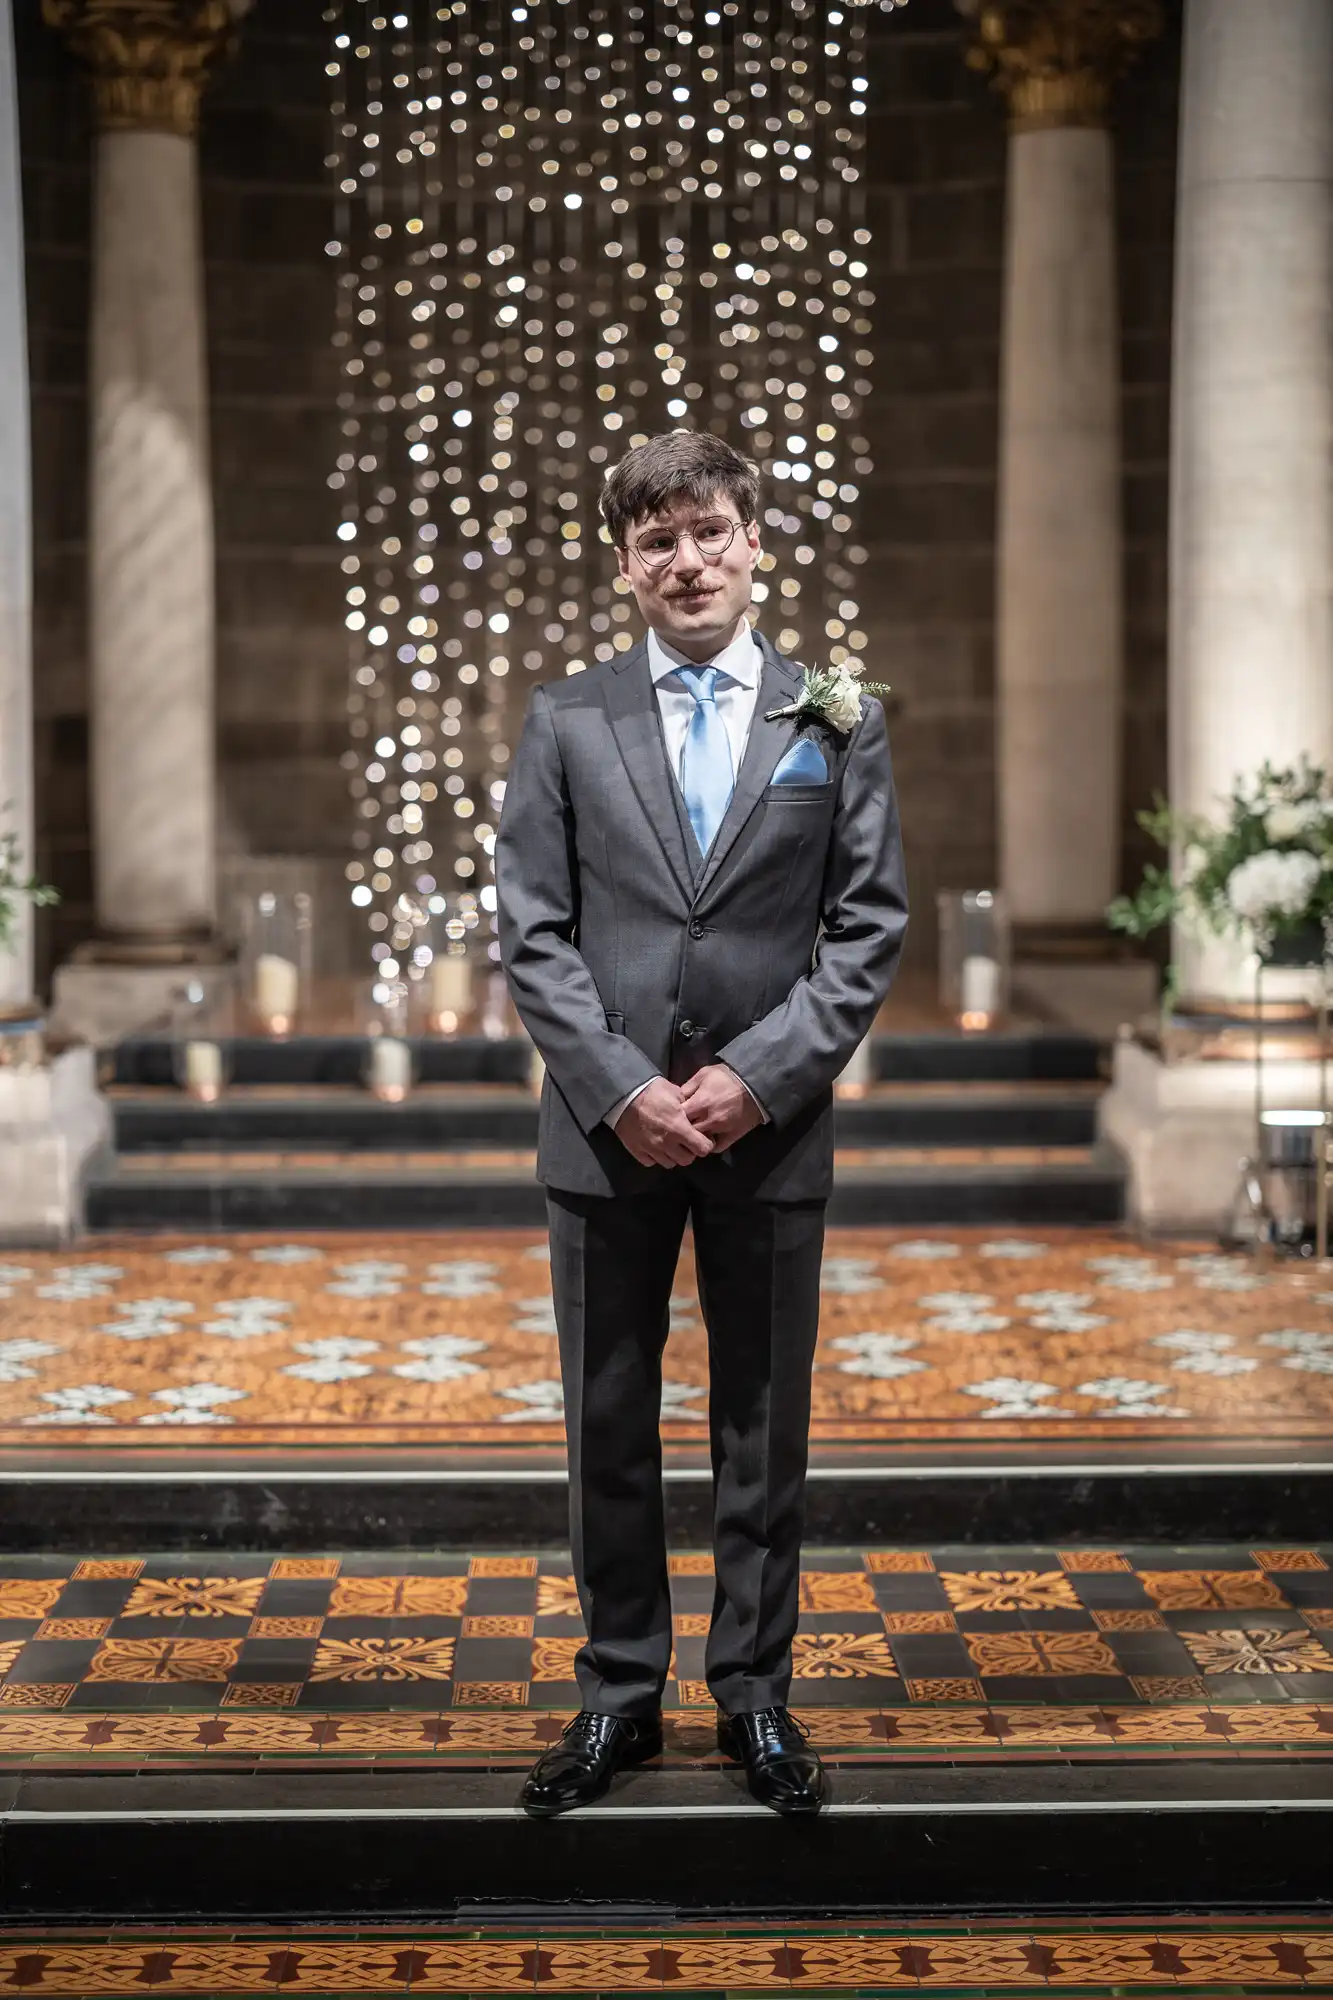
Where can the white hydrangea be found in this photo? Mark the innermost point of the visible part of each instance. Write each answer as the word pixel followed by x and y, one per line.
pixel 1272 884
pixel 1290 819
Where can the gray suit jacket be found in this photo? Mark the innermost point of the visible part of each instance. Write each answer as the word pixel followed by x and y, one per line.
pixel 629 956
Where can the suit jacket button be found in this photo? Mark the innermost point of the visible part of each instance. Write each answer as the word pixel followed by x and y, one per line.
pixel 687 1031
pixel 696 930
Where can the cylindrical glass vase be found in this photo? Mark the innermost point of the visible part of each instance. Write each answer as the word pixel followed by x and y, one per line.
pixel 22 1036
pixel 276 959
pixel 974 957
pixel 201 1031
pixel 389 1066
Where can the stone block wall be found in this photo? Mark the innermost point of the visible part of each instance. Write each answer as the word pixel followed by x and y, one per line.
pixel 936 205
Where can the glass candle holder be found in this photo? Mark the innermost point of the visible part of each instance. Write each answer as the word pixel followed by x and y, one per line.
pixel 276 959
pixel 974 957
pixel 448 990
pixel 201 1030
pixel 857 1075
pixel 389 1068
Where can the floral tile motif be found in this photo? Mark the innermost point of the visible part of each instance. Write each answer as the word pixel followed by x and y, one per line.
pixel 383 1660
pixel 1289 1559
pixel 291 1569
pixel 1169 1687
pixel 29 1597
pixel 286 1628
pixel 1129 1621
pixel 557 1597
pixel 502 1566
pixel 36 1694
pixel 398 1597
pixel 1259 1649
pixel 377 1340
pixel 194 1597
pixel 1010 1590
pixel 898 1562
pixel 822 1656
pixel 553 1659
pixel 1093 1562
pixel 1024 1653
pixel 1210 1589
pixel 100 1569
pixel 164 1660
pixel 834 1590
pixel 497 1625
pixel 262 1694
pixel 919 1621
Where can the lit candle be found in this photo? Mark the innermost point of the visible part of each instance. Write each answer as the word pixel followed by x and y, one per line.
pixel 203 1071
pixel 277 985
pixel 390 1068
pixel 450 990
pixel 979 990
pixel 858 1074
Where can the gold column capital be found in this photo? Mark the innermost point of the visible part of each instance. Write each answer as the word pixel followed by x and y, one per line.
pixel 148 58
pixel 1056 60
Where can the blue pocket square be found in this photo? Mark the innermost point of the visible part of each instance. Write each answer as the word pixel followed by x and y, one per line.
pixel 802 765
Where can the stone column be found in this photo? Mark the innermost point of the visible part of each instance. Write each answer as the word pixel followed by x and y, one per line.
pixel 1251 622
pixel 15 526
pixel 150 506
pixel 1059 537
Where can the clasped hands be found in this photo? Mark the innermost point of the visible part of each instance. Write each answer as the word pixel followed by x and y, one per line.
pixel 670 1124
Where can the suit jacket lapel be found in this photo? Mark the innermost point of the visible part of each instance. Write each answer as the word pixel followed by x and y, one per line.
pixel 632 703
pixel 766 742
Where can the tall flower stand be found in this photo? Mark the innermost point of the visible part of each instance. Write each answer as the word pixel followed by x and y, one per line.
pixel 1285 1180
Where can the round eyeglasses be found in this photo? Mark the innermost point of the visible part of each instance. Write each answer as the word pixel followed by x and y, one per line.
pixel 657 547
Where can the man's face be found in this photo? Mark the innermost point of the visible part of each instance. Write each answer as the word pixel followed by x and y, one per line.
pixel 693 597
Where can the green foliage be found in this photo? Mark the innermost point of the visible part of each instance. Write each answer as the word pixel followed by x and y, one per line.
pixel 13 884
pixel 1203 856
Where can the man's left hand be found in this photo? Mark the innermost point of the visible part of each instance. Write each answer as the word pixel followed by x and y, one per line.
pixel 716 1101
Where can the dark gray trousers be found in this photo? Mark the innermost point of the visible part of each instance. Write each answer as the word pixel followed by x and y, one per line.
pixel 613 1260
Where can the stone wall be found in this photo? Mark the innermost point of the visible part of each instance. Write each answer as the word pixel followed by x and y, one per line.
pixel 936 173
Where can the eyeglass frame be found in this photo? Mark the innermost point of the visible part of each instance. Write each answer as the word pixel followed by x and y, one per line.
pixel 678 538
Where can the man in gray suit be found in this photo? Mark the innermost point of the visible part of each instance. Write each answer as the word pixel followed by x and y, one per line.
pixel 701 905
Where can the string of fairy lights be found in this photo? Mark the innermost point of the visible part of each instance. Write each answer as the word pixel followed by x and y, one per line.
pixel 561 227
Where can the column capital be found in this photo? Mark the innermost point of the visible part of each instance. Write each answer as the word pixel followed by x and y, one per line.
pixel 1056 60
pixel 148 57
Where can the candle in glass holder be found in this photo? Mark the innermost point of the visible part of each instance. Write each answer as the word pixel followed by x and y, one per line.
pixel 390 1068
pixel 450 991
pixel 979 990
pixel 203 1071
pixel 276 989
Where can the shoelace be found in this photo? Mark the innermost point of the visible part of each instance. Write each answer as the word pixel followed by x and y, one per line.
pixel 585 1724
pixel 778 1724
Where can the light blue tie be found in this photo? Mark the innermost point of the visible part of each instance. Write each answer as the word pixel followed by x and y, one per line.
pixel 706 775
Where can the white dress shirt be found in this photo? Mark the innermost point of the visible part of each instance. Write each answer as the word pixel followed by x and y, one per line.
pixel 736 690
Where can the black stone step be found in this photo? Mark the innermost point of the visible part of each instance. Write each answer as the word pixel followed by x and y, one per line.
pixel 252 1503
pixel 1045 1055
pixel 444 1116
pixel 668 1846
pixel 209 1192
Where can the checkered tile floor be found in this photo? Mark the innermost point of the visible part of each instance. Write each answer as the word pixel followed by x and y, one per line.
pixel 899 1651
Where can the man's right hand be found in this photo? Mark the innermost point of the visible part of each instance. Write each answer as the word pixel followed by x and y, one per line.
pixel 656 1130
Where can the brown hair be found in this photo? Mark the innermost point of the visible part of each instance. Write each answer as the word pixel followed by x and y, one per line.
pixel 677 465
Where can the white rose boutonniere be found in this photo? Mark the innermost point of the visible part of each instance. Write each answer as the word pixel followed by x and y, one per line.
pixel 833 694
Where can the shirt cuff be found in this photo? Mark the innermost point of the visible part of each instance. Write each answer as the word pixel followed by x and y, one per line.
pixel 614 1115
pixel 763 1115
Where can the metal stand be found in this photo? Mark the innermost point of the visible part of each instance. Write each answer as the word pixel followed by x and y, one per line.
pixel 1255 1171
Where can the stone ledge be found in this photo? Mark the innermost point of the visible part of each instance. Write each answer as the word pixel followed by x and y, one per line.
pixel 53 1125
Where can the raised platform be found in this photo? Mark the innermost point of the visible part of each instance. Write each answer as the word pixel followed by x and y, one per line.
pixel 1054 1731
pixel 399 1390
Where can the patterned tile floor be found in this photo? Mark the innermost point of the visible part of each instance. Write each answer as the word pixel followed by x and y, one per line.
pixel 958 1339
pixel 902 1655
pixel 1206 1958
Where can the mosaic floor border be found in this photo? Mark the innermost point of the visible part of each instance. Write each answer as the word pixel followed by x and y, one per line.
pixel 1016 1960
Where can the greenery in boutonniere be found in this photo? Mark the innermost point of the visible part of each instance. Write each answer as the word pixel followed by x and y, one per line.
pixel 1262 874
pixel 832 693
pixel 13 884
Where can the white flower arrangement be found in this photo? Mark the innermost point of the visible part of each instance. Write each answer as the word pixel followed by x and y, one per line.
pixel 831 693
pixel 1264 874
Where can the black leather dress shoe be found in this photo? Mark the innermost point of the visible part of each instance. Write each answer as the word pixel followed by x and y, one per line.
pixel 580 1767
pixel 780 1767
